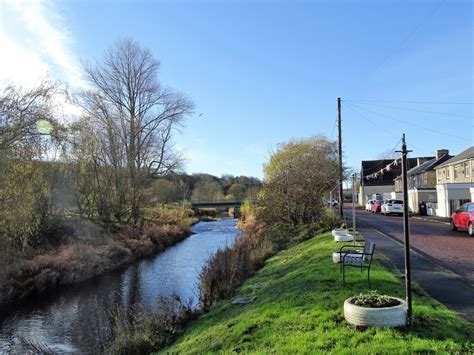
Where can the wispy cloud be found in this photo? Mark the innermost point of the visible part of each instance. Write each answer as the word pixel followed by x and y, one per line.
pixel 36 44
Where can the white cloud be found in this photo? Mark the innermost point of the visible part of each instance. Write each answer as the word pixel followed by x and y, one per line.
pixel 36 44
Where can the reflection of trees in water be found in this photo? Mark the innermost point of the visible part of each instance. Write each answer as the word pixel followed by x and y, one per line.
pixel 134 290
pixel 95 314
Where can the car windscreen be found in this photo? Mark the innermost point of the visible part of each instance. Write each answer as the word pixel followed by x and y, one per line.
pixel 397 202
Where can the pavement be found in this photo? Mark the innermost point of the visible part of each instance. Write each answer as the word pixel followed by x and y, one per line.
pixel 449 288
pixel 432 219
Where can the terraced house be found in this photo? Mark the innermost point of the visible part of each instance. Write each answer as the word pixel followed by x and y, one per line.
pixel 422 182
pixel 455 182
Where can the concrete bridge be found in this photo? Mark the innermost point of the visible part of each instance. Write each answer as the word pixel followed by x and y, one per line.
pixel 216 204
pixel 210 208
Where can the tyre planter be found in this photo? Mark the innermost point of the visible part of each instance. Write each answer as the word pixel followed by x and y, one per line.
pixel 394 316
pixel 337 257
pixel 344 237
pixel 338 231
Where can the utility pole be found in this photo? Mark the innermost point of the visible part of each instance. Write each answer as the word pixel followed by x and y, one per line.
pixel 406 231
pixel 353 207
pixel 339 130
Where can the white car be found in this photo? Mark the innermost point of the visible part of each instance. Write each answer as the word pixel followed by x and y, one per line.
pixel 392 206
pixel 368 205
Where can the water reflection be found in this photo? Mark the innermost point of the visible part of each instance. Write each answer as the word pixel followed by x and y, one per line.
pixel 75 319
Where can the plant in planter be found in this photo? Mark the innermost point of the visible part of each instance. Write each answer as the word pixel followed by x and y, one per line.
pixel 375 310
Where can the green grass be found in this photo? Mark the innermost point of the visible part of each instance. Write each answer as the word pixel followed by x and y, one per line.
pixel 299 309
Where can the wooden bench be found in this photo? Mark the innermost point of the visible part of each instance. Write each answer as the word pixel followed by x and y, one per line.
pixel 360 256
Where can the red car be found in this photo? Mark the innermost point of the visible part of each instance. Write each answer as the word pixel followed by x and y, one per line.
pixel 376 206
pixel 464 218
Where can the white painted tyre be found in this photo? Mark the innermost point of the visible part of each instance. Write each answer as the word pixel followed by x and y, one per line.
pixel 336 256
pixel 337 231
pixel 375 317
pixel 343 237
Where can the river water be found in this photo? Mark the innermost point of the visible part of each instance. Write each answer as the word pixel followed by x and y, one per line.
pixel 72 320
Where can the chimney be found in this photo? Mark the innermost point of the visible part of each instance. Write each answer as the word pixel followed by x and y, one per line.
pixel 419 161
pixel 441 152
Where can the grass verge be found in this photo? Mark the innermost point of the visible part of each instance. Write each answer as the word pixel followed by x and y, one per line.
pixel 299 309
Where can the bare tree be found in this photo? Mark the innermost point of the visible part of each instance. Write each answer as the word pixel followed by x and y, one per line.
pixel 22 114
pixel 132 117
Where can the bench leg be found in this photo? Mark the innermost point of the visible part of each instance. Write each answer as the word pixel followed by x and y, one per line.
pixel 368 277
pixel 343 276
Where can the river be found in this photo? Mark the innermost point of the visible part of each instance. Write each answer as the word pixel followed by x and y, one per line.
pixel 73 319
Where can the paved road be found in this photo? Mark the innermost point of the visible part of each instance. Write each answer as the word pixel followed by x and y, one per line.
pixel 452 250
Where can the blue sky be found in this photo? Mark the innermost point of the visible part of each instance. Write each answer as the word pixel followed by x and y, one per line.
pixel 264 72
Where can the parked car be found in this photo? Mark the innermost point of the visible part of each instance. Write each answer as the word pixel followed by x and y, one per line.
pixel 392 206
pixel 464 218
pixel 368 205
pixel 376 206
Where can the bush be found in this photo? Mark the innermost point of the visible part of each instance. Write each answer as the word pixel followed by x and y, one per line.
pixel 168 214
pixel 29 214
pixel 225 271
pixel 141 332
pixel 300 173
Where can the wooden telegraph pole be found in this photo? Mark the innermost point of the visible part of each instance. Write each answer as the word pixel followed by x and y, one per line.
pixel 406 231
pixel 341 197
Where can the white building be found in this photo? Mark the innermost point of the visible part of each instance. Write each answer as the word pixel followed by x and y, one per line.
pixel 455 182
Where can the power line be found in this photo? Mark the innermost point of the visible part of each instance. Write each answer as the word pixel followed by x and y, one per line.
pixel 409 123
pixel 413 102
pixel 416 110
pixel 333 129
pixel 355 109
pixel 410 35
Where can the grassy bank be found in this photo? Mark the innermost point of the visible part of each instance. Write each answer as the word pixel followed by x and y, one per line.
pixel 90 252
pixel 298 308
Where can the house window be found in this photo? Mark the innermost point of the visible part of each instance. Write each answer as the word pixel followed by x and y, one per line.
pixel 425 178
pixel 455 175
pixel 466 169
pixel 447 174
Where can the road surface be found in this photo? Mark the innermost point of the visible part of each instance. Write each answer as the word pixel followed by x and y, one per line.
pixel 452 250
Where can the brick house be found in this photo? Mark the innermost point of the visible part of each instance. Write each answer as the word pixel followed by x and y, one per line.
pixel 455 182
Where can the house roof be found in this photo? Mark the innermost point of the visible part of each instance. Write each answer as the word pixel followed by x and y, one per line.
pixel 428 165
pixel 373 166
pixel 467 154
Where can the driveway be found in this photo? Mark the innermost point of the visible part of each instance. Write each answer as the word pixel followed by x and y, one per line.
pixel 452 250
